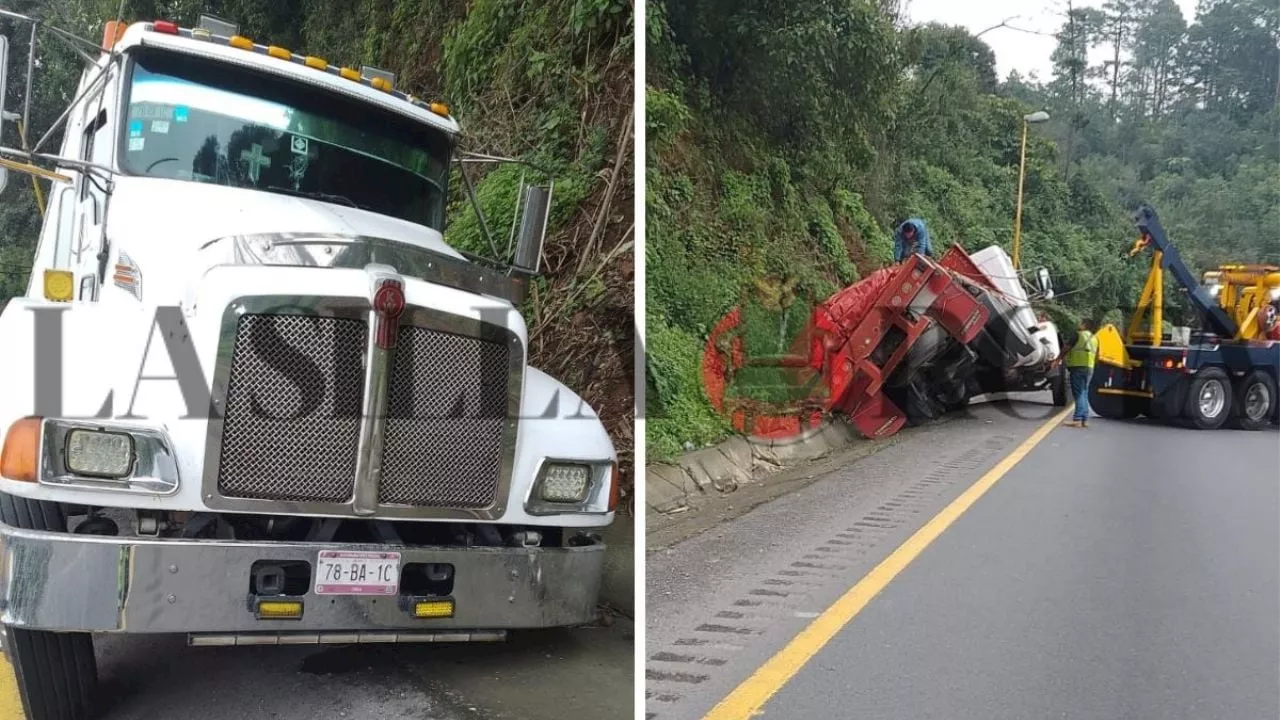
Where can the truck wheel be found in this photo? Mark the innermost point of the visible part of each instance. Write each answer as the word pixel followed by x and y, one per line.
pixel 914 403
pixel 1113 407
pixel 1058 386
pixel 1254 402
pixel 1162 408
pixel 57 673
pixel 1208 400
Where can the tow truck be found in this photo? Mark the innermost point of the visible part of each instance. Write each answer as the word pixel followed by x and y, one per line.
pixel 1223 373
pixel 252 396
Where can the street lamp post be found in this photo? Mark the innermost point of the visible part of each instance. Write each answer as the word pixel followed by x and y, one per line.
pixel 1035 117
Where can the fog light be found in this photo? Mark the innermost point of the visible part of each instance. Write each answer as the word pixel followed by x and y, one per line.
pixel 279 610
pixel 99 454
pixel 565 483
pixel 433 609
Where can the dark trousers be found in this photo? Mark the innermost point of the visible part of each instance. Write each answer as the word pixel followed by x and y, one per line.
pixel 1080 377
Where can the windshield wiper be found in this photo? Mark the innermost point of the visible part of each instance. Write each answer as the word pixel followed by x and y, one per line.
pixel 327 197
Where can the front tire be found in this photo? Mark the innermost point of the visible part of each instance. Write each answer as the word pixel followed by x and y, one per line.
pixel 1208 400
pixel 57 673
pixel 1254 403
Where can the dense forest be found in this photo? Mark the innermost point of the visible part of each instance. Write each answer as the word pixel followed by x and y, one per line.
pixel 548 81
pixel 786 140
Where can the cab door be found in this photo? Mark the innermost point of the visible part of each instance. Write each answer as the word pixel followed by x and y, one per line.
pixel 98 147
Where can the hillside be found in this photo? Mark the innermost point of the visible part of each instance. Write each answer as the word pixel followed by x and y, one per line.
pixel 784 144
pixel 547 81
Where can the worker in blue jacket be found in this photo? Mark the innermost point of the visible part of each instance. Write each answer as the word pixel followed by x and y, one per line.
pixel 910 238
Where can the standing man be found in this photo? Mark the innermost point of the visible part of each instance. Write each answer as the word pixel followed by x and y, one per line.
pixel 1079 361
pixel 911 237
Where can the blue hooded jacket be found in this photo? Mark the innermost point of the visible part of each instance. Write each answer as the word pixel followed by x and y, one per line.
pixel 901 249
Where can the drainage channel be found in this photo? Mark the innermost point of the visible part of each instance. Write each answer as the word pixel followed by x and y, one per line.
pixel 787 588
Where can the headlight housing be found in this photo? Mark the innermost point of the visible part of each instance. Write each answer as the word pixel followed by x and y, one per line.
pixel 107 456
pixel 570 486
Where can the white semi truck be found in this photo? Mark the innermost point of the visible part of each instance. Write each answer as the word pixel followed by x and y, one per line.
pixel 252 396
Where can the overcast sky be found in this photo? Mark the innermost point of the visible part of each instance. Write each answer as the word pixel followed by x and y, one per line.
pixel 1021 51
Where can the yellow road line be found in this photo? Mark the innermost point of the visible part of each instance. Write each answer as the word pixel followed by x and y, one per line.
pixel 747 699
pixel 10 703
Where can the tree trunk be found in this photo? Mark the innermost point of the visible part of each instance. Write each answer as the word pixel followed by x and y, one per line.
pixel 1115 67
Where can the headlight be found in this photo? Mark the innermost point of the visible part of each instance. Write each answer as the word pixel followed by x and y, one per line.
pixel 99 454
pixel 93 456
pixel 563 483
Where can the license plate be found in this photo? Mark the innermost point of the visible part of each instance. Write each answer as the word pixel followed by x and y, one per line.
pixel 340 572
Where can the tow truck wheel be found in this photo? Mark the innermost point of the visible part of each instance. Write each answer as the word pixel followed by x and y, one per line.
pixel 1113 407
pixel 1254 402
pixel 1208 400
pixel 57 673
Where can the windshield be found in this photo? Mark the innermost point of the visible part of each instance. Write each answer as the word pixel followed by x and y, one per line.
pixel 204 121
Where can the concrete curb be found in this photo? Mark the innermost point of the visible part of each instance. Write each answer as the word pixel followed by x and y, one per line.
pixel 618 586
pixel 722 468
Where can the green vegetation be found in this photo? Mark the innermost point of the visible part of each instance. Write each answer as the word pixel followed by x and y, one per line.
pixel 546 81
pixel 785 143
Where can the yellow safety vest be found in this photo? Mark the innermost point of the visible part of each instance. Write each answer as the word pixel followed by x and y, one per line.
pixel 1082 354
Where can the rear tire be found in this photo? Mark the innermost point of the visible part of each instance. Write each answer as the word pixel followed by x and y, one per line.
pixel 920 408
pixel 1208 400
pixel 1254 403
pixel 1113 407
pixel 57 673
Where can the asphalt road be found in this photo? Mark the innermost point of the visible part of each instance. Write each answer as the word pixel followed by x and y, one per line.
pixel 1123 571
pixel 532 676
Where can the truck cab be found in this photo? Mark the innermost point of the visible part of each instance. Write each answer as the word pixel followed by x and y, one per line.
pixel 253 394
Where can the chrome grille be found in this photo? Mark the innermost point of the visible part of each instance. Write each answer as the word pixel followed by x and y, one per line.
pixel 446 417
pixel 281 441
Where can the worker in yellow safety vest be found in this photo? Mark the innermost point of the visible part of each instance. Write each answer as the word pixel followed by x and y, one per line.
pixel 1079 361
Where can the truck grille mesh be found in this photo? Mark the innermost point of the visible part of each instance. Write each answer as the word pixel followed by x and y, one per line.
pixel 446 415
pixel 444 432
pixel 285 442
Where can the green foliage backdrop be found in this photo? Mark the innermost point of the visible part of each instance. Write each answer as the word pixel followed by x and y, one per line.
pixel 785 141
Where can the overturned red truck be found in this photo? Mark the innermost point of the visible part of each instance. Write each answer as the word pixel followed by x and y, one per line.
pixel 903 345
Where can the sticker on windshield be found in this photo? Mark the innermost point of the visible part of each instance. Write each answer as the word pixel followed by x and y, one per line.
pixel 298 170
pixel 180 113
pixel 255 161
pixel 299 145
pixel 135 128
pixel 160 126
pixel 136 143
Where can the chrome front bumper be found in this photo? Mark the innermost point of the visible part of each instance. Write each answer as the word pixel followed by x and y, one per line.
pixel 59 581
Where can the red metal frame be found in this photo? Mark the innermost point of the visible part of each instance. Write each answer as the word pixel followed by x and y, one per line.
pixel 910 297
pixel 894 305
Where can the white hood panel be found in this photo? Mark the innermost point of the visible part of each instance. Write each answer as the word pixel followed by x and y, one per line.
pixel 162 225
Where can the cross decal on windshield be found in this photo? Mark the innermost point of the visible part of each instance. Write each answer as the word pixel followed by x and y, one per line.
pixel 255 160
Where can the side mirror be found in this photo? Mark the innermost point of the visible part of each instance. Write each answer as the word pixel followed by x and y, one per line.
pixel 1044 283
pixel 4 85
pixel 533 229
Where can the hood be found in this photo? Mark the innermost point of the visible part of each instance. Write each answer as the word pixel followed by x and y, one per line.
pixel 162 224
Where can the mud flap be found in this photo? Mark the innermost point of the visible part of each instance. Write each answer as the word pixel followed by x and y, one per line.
pixel 878 417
